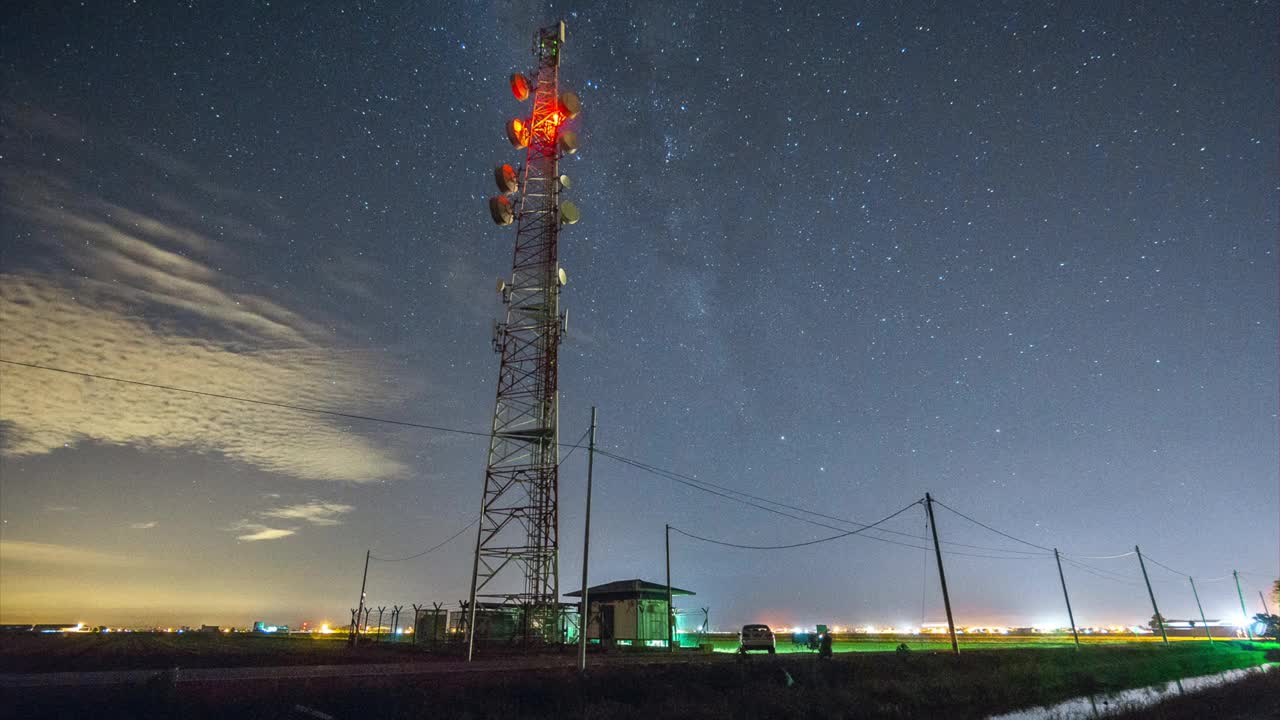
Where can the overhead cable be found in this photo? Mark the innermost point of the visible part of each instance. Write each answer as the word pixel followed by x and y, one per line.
pixel 1166 567
pixel 695 483
pixel 428 550
pixel 799 544
pixel 988 527
pixel 1101 557
pixel 575 446
pixel 1095 572
pixel 254 401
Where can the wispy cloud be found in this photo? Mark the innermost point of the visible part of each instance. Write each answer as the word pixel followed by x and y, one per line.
pixel 85 327
pixel 254 532
pixel 62 508
pixel 314 512
pixel 143 525
pixel 157 300
pixel 21 551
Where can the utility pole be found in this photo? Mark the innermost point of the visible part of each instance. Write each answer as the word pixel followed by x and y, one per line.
pixel 1263 598
pixel 942 575
pixel 1159 617
pixel 1248 626
pixel 1200 607
pixel 670 614
pixel 355 626
pixel 1066 597
pixel 584 613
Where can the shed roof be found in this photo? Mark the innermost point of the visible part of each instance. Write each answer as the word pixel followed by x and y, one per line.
pixel 630 588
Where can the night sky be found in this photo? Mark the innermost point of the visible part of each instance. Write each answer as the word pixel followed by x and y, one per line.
pixel 1022 256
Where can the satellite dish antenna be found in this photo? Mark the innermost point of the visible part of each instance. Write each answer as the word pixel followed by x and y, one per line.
pixel 520 86
pixel 568 142
pixel 501 211
pixel 504 176
pixel 570 105
pixel 563 277
pixel 518 133
pixel 564 182
pixel 569 213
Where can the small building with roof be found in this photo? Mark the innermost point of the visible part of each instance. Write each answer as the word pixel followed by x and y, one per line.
pixel 628 612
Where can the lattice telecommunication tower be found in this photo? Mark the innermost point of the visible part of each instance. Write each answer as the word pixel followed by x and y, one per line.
pixel 517 546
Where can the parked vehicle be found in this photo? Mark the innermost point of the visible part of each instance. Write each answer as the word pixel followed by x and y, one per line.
pixel 756 637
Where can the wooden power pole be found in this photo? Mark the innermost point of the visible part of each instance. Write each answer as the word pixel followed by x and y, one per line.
pixel 1070 615
pixel 942 575
pixel 670 612
pixel 584 614
pixel 1158 617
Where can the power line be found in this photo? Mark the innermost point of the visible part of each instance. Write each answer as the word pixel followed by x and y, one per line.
pixel 1166 567
pixel 800 544
pixel 1100 574
pixel 687 479
pixel 575 446
pixel 235 398
pixel 428 550
pixel 253 401
pixel 697 485
pixel 1101 557
pixel 1041 547
pixel 988 527
pixel 1220 578
pixel 678 477
pixel 693 484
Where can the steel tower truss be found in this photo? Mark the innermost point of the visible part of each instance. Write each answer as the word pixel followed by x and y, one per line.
pixel 519 524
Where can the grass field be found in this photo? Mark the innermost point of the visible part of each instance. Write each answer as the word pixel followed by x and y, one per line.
pixel 27 652
pixel 728 642
pixel 638 685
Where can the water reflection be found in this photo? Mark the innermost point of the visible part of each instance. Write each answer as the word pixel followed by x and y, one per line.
pixel 1099 706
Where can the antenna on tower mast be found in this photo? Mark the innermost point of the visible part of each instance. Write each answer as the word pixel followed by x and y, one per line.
pixel 517 565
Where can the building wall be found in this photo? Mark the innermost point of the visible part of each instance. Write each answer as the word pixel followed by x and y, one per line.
pixel 632 619
pixel 652 620
pixel 624 620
